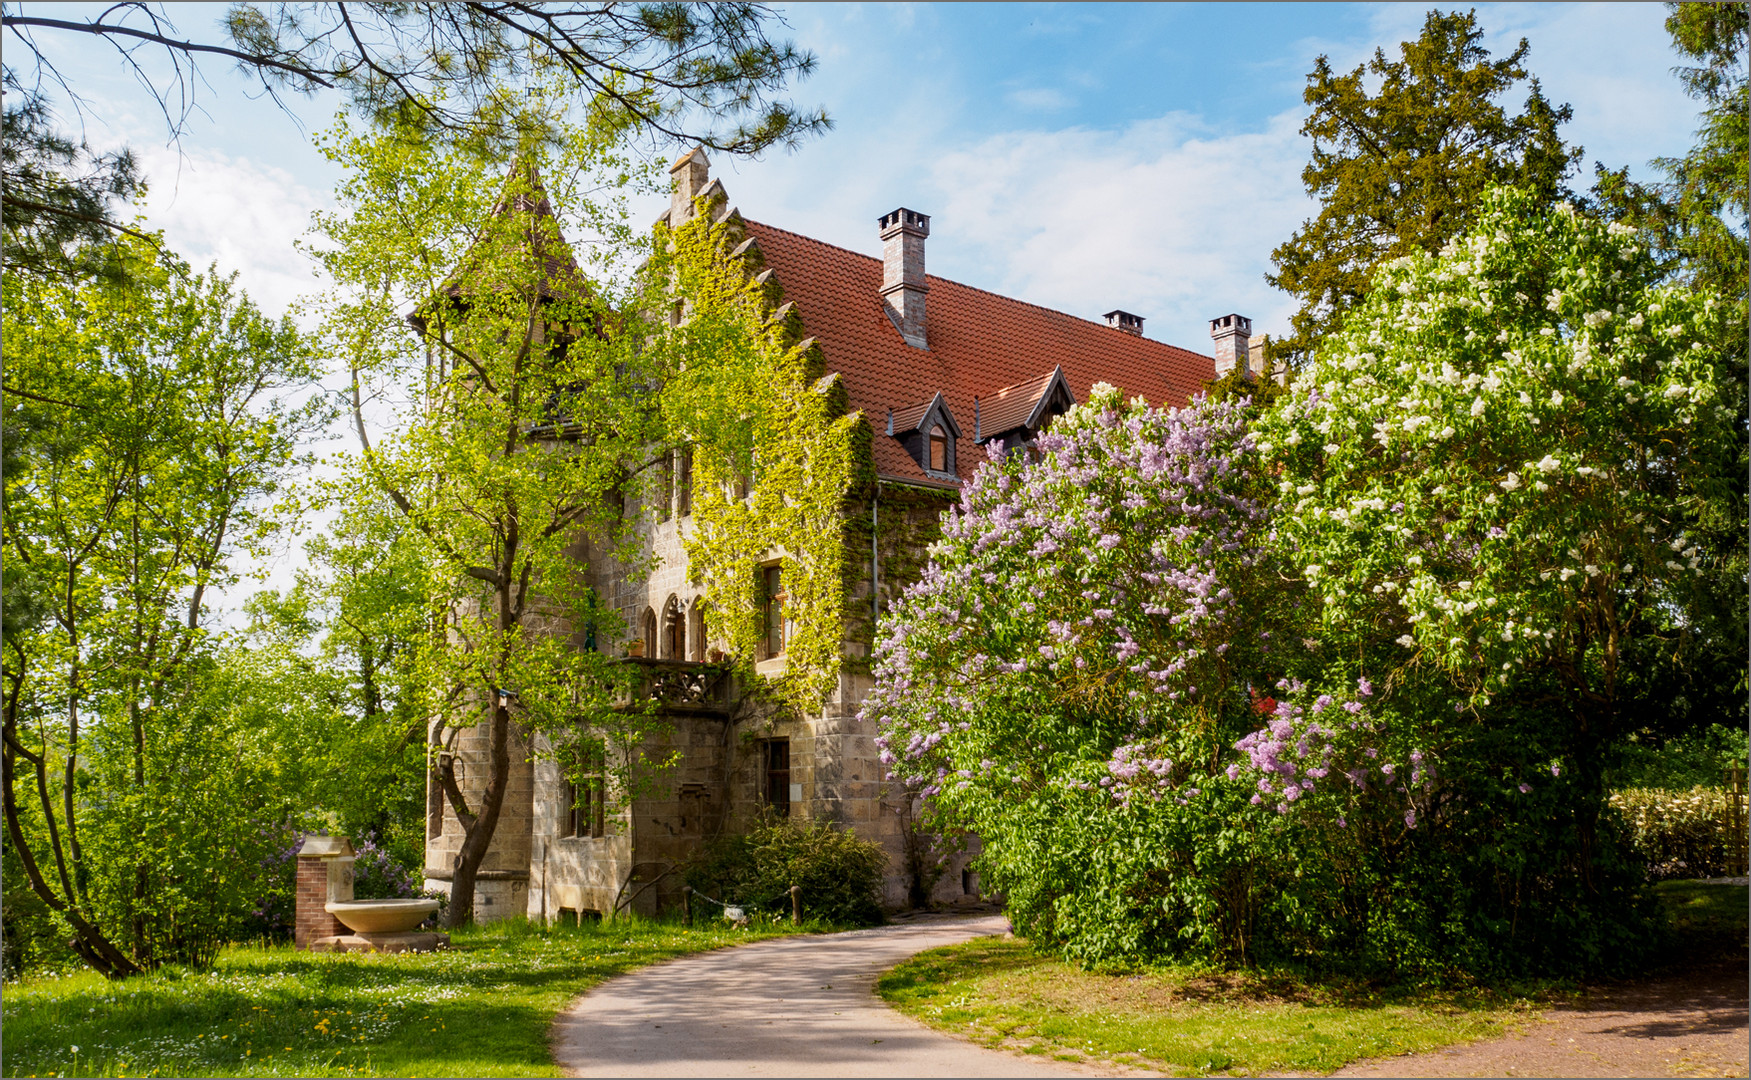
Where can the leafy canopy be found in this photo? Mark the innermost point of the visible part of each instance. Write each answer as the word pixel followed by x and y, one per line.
pixel 1402 154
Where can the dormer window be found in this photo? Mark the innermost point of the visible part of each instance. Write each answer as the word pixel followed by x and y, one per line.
pixel 928 432
pixel 1015 415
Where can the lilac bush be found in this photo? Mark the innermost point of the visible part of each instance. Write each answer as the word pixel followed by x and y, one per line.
pixel 1080 653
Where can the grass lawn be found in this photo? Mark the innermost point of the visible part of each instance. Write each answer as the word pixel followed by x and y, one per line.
pixel 480 1008
pixel 1002 994
pixel 1709 921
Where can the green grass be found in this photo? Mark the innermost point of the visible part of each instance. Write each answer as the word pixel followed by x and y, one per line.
pixel 480 1008
pixel 1708 921
pixel 1003 994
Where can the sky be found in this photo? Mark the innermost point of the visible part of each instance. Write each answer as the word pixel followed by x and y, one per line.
pixel 1083 157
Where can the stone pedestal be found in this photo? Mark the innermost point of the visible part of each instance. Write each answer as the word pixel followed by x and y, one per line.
pixel 407 941
pixel 325 874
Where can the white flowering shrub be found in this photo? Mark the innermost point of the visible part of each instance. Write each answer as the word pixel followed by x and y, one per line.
pixel 1681 834
pixel 1487 469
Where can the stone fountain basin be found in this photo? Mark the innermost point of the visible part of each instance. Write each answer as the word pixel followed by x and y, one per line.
pixel 381 916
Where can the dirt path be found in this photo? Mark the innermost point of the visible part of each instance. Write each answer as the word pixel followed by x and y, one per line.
pixel 801 1006
pixel 1695 1025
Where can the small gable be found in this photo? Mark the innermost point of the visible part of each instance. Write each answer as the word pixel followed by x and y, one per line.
pixel 929 433
pixel 1015 414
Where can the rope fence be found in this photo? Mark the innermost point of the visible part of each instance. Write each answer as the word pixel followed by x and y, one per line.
pixel 738 911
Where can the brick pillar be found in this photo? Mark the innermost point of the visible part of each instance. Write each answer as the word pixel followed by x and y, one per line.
pixel 325 872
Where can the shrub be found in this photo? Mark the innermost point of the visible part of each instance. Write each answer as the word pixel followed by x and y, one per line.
pixel 839 873
pixel 1679 834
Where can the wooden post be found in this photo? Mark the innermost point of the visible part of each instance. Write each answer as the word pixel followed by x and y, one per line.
pixel 796 905
pixel 687 905
pixel 1737 834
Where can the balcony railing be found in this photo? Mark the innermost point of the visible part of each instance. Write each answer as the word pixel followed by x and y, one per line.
pixel 683 686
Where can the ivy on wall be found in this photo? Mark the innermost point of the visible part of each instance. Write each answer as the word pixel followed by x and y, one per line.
pixel 777 457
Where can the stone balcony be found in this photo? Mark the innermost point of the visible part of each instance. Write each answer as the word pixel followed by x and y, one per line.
pixel 685 687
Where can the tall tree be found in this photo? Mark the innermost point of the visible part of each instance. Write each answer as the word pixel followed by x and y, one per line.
pixel 1403 168
pixel 167 414
pixel 525 412
pixel 692 73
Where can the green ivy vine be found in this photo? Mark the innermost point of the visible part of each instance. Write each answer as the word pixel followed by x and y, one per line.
pixel 777 455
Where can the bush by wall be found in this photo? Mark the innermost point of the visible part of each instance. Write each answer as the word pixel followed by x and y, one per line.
pixel 840 874
pixel 1679 834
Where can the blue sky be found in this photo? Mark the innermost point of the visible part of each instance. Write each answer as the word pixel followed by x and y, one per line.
pixel 1080 156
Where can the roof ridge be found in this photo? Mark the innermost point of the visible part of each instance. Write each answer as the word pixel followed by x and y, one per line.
pixel 977 289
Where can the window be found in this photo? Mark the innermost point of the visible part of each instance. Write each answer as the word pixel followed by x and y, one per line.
pixel 775 774
pixel 666 485
pixel 587 815
pixel 650 633
pixel 938 450
pixel 696 630
pixel 773 593
pixel 684 482
pixel 674 631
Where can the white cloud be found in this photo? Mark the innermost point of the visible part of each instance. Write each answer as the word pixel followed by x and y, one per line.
pixel 1163 218
pixel 241 214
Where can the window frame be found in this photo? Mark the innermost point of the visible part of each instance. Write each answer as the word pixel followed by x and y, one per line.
pixel 586 816
pixel 775 774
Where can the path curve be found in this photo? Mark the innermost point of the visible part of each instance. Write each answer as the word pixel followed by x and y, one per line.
pixel 796 1006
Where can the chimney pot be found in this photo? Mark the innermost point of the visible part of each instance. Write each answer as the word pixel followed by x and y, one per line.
pixel 1231 334
pixel 1125 321
pixel 903 233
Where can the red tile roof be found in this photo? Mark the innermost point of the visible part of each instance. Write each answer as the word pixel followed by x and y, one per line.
pixel 980 343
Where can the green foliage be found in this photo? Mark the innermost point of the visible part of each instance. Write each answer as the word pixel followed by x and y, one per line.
pixel 57 220
pixel 839 873
pixel 483 1007
pixel 775 454
pixel 526 408
pixel 1695 758
pixel 162 422
pixel 1680 834
pixel 1402 154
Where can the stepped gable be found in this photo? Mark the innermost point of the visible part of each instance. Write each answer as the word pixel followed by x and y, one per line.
pixel 979 343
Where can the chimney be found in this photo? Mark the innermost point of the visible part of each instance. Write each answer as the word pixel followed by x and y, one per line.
pixel 687 178
pixel 1124 320
pixel 1231 333
pixel 903 288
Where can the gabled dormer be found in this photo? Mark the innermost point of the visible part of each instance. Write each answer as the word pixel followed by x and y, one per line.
pixel 928 432
pixel 1015 414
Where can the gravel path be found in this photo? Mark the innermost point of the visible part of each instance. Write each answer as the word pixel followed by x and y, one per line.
pixel 1694 1025
pixel 800 1006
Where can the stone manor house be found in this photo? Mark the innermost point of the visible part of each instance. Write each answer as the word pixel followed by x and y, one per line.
pixel 939 370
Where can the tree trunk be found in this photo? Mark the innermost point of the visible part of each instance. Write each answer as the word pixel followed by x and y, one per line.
pixel 477 837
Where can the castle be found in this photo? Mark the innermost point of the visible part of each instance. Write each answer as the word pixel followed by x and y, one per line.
pixel 939 371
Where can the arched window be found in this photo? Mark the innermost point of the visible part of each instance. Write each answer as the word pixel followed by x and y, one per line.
pixel 674 631
pixel 696 630
pixel 938 450
pixel 772 590
pixel 650 632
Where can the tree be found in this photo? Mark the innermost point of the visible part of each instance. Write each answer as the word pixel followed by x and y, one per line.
pixel 167 419
pixel 1068 676
pixel 55 214
pixel 1696 222
pixel 1490 478
pixel 1403 168
pixel 690 73
pixel 525 412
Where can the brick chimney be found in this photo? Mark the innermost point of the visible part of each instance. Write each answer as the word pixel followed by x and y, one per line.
pixel 1231 333
pixel 903 287
pixel 689 176
pixel 1124 320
